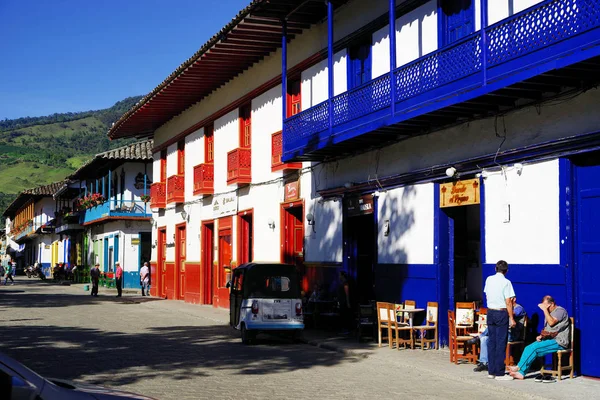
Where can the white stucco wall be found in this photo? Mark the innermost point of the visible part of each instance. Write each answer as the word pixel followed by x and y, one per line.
pixel 266 120
pixel 43 211
pixel 172 160
pixel 532 234
pixel 323 240
pixel 156 167
pixel 500 9
pixel 410 212
pixel 124 231
pixel 227 138
pixel 314 80
pixel 194 155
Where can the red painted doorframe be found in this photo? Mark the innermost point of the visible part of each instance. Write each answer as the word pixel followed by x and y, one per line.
pixel 292 236
pixel 283 221
pixel 207 255
pixel 245 236
pixel 180 243
pixel 162 254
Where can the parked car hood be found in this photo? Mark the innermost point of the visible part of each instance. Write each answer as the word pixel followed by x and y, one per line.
pixel 95 391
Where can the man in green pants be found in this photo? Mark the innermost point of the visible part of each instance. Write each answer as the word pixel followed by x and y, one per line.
pixel 555 336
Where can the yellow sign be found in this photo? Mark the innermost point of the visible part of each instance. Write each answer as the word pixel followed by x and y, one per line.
pixel 135 241
pixel 459 193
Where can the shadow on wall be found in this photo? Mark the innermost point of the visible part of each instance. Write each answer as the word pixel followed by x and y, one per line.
pixel 179 353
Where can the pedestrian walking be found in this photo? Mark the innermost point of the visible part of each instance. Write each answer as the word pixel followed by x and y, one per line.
pixel 145 279
pixel 12 266
pixel 95 278
pixel 119 278
pixel 499 293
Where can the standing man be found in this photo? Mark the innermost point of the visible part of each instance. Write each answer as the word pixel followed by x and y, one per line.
pixel 145 279
pixel 119 278
pixel 95 277
pixel 14 269
pixel 499 293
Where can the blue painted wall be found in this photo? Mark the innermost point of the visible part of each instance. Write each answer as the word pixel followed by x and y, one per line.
pixel 131 280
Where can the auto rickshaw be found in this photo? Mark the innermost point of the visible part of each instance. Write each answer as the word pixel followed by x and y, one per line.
pixel 265 297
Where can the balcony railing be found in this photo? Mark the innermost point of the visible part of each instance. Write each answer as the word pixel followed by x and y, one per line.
pixel 204 179
pixel 114 209
pixel 158 195
pixel 239 166
pixel 277 151
pixel 175 189
pixel 522 46
pixel 24 231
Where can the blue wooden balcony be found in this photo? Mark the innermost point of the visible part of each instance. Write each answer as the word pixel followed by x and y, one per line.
pixel 114 210
pixel 542 51
pixel 23 233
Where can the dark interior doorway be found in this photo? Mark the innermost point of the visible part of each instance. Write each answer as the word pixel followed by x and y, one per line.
pixel 145 248
pixel 466 247
pixel 361 255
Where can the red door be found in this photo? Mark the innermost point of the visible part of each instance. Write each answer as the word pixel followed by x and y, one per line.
pixel 245 239
pixel 180 262
pixel 162 258
pixel 292 243
pixel 208 242
pixel 223 267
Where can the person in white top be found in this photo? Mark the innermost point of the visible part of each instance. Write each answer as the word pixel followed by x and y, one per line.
pixel 145 279
pixel 499 293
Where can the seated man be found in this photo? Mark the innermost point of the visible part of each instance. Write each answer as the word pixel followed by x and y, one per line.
pixel 513 334
pixel 555 336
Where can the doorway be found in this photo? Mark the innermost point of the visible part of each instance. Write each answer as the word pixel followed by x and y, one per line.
pixel 361 247
pixel 208 232
pixel 162 261
pixel 292 238
pixel 180 245
pixel 223 267
pixel 145 248
pixel 458 19
pixel 466 272
pixel 245 237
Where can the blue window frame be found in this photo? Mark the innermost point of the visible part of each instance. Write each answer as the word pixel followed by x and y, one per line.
pixel 457 18
pixel 359 62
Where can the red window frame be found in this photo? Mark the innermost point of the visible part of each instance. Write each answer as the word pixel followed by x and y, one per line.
pixel 163 165
pixel 181 157
pixel 245 127
pixel 209 144
pixel 294 97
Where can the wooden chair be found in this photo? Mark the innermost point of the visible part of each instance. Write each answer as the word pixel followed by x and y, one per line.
pixel 431 324
pixel 385 317
pixel 400 326
pixel 519 343
pixel 465 316
pixel 458 342
pixel 557 359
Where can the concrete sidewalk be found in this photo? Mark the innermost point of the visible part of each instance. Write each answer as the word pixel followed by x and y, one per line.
pixel 424 363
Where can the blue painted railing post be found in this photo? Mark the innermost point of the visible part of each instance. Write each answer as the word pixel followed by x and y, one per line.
pixel 109 185
pixel 392 35
pixel 103 187
pixel 330 62
pixel 283 72
pixel 145 188
pixel 484 47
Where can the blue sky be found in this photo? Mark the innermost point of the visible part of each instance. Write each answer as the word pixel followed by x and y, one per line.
pixel 73 55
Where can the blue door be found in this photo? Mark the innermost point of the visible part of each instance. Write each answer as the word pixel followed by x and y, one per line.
pixel 359 64
pixel 588 266
pixel 458 18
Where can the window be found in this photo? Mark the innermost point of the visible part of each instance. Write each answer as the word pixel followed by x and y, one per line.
pixel 245 126
pixel 458 19
pixel 181 157
pixel 294 98
pixel 359 65
pixel 163 165
pixel 209 144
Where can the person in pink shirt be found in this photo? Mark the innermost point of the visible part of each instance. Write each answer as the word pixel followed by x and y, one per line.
pixel 119 278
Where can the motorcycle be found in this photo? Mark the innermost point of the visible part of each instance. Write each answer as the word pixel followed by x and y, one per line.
pixel 29 271
pixel 32 271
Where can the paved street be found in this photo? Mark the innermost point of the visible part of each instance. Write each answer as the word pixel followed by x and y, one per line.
pixel 173 350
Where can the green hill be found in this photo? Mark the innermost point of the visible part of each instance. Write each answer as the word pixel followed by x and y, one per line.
pixel 39 150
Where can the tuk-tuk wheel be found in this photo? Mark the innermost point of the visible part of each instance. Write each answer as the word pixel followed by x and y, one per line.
pixel 247 337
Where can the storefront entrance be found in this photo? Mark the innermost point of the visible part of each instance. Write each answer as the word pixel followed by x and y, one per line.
pixel 180 245
pixel 208 240
pixel 162 262
pixel 586 173
pixel 223 267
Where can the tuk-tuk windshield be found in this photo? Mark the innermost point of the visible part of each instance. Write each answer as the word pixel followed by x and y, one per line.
pixel 272 282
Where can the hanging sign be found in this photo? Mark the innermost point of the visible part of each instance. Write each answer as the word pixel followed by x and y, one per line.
pixel 135 241
pixel 459 193
pixel 224 205
pixel 359 205
pixel 291 191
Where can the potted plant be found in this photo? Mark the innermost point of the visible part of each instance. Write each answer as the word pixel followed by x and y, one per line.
pixel 145 198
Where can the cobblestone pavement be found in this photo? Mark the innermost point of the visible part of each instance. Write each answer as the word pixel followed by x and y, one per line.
pixel 173 350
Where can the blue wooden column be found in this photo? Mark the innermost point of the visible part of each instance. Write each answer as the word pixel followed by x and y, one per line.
pixel 330 61
pixel 109 187
pixel 392 35
pixel 484 46
pixel 283 70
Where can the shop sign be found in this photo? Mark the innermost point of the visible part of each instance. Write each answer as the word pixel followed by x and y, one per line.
pixel 459 193
pixel 359 205
pixel 224 205
pixel 291 191
pixel 135 241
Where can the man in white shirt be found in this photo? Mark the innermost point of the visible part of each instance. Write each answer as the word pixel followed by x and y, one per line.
pixel 499 293
pixel 145 279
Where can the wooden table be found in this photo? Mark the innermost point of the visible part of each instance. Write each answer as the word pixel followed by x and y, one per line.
pixel 411 312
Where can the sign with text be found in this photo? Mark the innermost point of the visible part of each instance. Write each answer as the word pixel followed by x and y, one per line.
pixel 359 205
pixel 291 191
pixel 224 205
pixel 459 193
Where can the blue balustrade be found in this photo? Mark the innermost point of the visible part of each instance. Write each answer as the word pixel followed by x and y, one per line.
pixel 26 231
pixel 549 35
pixel 112 209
